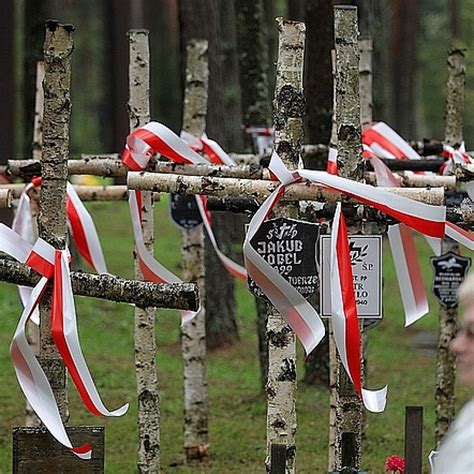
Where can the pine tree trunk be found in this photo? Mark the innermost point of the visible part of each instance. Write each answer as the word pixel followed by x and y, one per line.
pixel 256 111
pixel 288 120
pixel 404 62
pixel 148 412
pixel 445 359
pixel 193 334
pixel 318 71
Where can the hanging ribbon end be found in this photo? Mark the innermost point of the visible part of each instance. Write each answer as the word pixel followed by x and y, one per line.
pixel 83 452
pixel 375 400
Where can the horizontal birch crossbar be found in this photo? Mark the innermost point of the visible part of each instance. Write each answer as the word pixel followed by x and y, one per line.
pixel 141 293
pixel 85 193
pixel 259 189
pixel 111 166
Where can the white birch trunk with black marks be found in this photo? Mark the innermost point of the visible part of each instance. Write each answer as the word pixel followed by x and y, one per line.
pixel 288 123
pixel 148 412
pixel 58 48
pixel 33 329
pixel 346 406
pixel 193 334
pixel 445 359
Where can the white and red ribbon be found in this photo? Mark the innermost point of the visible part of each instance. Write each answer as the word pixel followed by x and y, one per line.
pixel 53 265
pixel 387 143
pixel 295 309
pixel 344 314
pixel 157 138
pixel 407 269
pixel 83 231
pixel 331 166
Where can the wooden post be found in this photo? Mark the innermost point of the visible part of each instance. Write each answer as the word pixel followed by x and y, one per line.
pixel 27 442
pixel 58 47
pixel 346 406
pixel 148 412
pixel 413 439
pixel 445 359
pixel 193 334
pixel 365 81
pixel 288 106
pixel 33 329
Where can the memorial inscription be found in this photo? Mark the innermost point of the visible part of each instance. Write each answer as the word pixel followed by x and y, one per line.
pixel 289 246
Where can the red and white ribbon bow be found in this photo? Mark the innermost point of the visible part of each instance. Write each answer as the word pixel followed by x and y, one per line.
pixel 53 265
pixel 454 156
pixel 295 309
pixel 155 137
pixel 344 314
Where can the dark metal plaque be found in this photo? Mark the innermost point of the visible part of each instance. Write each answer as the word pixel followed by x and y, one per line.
pixel 289 246
pixel 449 272
pixel 184 211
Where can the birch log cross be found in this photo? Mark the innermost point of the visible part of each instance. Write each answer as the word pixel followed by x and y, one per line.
pixel 148 411
pixel 193 334
pixel 34 448
pixel 346 407
pixel 445 359
pixel 288 110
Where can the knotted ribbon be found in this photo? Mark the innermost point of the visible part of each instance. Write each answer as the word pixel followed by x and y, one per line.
pixel 52 265
pixel 155 137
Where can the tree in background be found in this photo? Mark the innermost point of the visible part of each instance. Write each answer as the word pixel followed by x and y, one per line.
pixel 405 27
pixel 201 19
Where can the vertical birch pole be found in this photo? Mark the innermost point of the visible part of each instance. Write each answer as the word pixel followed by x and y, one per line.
pixel 58 48
pixel 365 81
pixel 346 406
pixel 148 413
pixel 33 329
pixel 288 109
pixel 193 334
pixel 445 359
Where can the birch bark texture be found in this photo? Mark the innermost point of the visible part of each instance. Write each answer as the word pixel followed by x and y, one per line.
pixel 346 407
pixel 445 359
pixel 33 329
pixel 148 411
pixel 288 110
pixel 365 81
pixel 193 334
pixel 58 48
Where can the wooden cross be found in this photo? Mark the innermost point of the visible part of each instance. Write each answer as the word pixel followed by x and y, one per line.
pixel 52 228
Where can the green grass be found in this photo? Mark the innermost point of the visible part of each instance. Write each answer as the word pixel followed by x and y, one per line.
pixel 237 408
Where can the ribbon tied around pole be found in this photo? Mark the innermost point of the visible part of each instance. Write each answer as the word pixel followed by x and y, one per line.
pixel 52 265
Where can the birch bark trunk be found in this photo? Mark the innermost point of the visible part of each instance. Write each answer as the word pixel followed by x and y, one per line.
pixel 445 359
pixel 193 334
pixel 33 329
pixel 58 48
pixel 148 412
pixel 346 407
pixel 288 122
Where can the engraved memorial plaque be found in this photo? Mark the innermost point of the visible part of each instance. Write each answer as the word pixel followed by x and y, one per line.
pixel 449 272
pixel 366 260
pixel 290 247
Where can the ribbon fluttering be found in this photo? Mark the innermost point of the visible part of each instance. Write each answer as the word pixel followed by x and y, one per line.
pixel 52 265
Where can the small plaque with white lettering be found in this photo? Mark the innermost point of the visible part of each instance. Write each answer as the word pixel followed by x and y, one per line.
pixel 366 260
pixel 449 272
pixel 289 246
pixel 184 211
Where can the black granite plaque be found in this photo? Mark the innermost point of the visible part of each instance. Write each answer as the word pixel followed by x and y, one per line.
pixel 184 211
pixel 289 246
pixel 449 272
